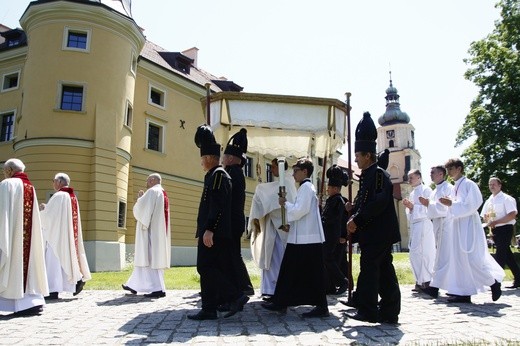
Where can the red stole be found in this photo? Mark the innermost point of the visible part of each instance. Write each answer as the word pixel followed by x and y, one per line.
pixel 28 201
pixel 75 213
pixel 166 209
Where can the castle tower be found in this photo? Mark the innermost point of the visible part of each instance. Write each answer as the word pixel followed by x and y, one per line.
pixel 80 76
pixel 397 135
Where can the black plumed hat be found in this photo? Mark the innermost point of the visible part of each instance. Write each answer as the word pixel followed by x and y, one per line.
pixel 337 176
pixel 366 135
pixel 383 159
pixel 237 144
pixel 205 140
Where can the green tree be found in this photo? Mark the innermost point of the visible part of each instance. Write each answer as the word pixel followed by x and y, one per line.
pixel 494 118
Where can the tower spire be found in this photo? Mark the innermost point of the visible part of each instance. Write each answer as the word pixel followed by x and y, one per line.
pixel 393 113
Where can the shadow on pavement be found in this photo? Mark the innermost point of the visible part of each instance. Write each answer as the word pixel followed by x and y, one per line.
pixel 172 325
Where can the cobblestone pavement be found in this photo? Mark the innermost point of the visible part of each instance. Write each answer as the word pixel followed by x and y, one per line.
pixel 113 317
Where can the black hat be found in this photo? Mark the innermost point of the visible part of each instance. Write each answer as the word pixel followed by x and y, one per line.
pixel 237 144
pixel 205 140
pixel 383 159
pixel 337 176
pixel 366 135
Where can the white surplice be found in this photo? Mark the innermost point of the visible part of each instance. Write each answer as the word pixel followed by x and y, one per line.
pixel 152 242
pixel 12 295
pixel 65 265
pixel 268 243
pixel 470 268
pixel 422 239
pixel 437 211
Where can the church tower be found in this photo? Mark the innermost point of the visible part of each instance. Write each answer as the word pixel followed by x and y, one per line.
pixel 398 136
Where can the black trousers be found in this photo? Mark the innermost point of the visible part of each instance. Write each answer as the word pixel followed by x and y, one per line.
pixel 239 268
pixel 334 276
pixel 502 237
pixel 377 277
pixel 215 268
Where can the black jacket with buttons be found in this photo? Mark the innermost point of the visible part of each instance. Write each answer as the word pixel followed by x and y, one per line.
pixel 215 204
pixel 374 210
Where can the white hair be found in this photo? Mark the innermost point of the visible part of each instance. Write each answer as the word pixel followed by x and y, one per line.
pixel 15 164
pixel 63 177
pixel 156 176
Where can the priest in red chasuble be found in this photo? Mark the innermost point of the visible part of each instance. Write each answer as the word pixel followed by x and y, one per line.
pixel 23 280
pixel 65 258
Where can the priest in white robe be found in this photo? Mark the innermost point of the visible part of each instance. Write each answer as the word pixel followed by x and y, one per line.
pixel 471 269
pixel 152 240
pixel 65 257
pixel 268 241
pixel 422 240
pixel 23 280
pixel 438 212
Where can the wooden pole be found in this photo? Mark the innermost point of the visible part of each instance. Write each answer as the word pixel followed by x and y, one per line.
pixel 208 103
pixel 349 236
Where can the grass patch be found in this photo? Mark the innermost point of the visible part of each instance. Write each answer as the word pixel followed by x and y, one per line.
pixel 181 278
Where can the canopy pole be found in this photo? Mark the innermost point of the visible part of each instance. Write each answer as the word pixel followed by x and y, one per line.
pixel 349 236
pixel 208 102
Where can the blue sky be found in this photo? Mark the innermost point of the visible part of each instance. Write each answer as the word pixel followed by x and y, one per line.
pixel 327 48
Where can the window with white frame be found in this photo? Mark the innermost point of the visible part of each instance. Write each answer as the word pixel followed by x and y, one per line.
pixel 156 96
pixel 7 126
pixel 10 81
pixel 128 114
pixel 72 97
pixel 121 214
pixel 248 167
pixel 133 64
pixel 154 136
pixel 76 39
pixel 268 173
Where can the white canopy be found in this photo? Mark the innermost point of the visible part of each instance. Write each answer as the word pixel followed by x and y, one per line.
pixel 279 125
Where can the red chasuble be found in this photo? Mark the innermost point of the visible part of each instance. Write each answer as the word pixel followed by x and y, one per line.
pixel 166 208
pixel 75 225
pixel 28 201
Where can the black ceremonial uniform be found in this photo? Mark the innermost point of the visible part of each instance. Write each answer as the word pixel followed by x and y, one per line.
pixel 214 263
pixel 332 219
pixel 377 230
pixel 238 224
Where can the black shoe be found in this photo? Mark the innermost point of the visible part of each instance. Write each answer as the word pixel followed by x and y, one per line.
pixel 203 315
pixel 318 311
pixel 79 287
pixel 361 317
pixel 129 289
pixel 349 303
pixel 459 299
pixel 237 305
pixel 274 307
pixel 416 288
pixel 267 297
pixel 156 294
pixel 227 307
pixel 52 296
pixel 431 291
pixel 514 285
pixel 496 291
pixel 34 311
